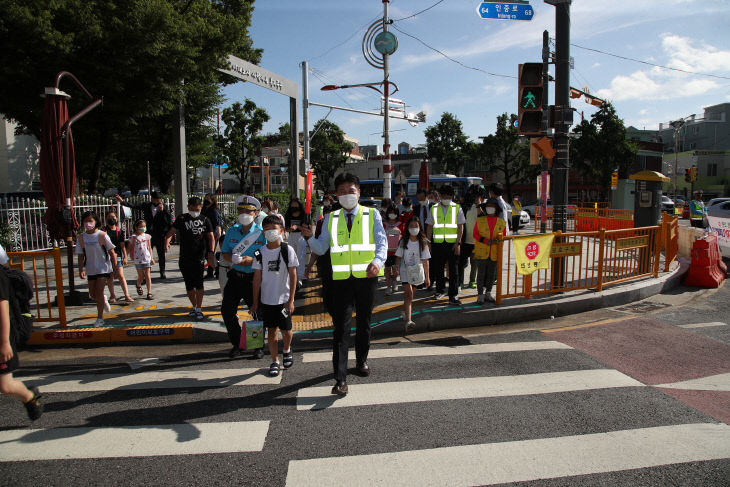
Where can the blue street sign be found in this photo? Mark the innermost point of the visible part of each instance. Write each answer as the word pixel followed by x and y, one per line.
pixel 505 11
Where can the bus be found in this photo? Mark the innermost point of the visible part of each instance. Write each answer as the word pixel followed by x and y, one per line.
pixel 373 188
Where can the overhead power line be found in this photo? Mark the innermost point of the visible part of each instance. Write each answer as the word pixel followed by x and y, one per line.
pixel 452 59
pixel 346 40
pixel 650 64
pixel 418 13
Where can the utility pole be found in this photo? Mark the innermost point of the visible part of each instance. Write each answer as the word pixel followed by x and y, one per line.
pixel 180 168
pixel 387 167
pixel 545 127
pixel 305 113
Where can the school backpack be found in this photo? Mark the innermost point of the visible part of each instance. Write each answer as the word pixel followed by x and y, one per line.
pixel 20 294
pixel 284 254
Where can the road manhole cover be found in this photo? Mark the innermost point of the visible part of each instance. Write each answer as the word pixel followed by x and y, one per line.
pixel 643 307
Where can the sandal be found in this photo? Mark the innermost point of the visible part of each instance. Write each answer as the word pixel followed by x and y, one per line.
pixel 274 369
pixel 113 300
pixel 128 299
pixel 288 360
pixel 139 290
pixel 150 296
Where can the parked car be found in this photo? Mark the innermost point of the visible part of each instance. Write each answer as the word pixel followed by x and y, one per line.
pixel 721 209
pixel 667 204
pixel 716 201
pixel 524 217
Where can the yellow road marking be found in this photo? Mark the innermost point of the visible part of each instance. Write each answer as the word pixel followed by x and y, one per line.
pixel 586 325
pixel 154 306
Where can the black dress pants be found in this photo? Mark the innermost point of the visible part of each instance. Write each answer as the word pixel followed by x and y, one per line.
pixel 441 254
pixel 360 293
pixel 238 287
pixel 159 243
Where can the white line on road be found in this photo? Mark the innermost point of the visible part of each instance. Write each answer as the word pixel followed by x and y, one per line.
pixel 703 325
pixel 519 461
pixel 133 441
pixel 177 379
pixel 426 351
pixel 719 382
pixel 463 388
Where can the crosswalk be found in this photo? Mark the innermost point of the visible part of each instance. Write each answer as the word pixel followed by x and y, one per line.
pixel 432 414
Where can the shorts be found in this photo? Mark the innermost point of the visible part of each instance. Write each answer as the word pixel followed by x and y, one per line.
pixel 119 262
pixel 146 265
pixel 97 276
pixel 390 261
pixel 11 365
pixel 272 317
pixel 192 273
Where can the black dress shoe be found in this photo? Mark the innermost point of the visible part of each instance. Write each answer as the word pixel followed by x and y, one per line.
pixel 363 369
pixel 235 352
pixel 162 275
pixel 258 353
pixel 340 388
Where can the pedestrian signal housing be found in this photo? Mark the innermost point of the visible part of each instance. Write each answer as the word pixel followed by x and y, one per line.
pixel 530 91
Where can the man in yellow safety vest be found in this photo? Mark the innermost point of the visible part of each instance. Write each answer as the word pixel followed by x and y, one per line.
pixel 697 211
pixel 358 248
pixel 445 226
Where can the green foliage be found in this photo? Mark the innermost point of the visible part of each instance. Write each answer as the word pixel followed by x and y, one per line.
pixel 508 153
pixel 447 143
pixel 144 57
pixel 282 137
pixel 241 141
pixel 601 147
pixel 5 234
pixel 329 152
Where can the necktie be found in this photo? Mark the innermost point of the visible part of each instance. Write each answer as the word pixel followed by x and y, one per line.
pixel 349 222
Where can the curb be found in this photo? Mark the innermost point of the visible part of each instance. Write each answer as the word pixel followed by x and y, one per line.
pixel 388 323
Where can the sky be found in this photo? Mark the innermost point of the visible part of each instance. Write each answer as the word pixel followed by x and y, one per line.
pixel 688 35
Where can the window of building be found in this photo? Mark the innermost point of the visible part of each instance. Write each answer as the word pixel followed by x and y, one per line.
pixel 712 170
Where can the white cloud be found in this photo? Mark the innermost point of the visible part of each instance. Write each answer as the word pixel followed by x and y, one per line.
pixel 662 84
pixel 497 90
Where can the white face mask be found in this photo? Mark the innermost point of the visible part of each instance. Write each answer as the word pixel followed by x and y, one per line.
pixel 271 235
pixel 89 225
pixel 491 210
pixel 392 216
pixel 446 202
pixel 424 202
pixel 245 219
pixel 348 201
pixel 195 214
pixel 413 230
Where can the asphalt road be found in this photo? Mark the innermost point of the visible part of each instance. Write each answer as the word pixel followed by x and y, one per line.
pixel 633 395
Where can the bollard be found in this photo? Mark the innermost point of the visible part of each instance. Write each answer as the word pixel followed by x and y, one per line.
pixel 706 269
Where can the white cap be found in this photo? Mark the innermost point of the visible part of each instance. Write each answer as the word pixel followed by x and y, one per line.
pixel 248 202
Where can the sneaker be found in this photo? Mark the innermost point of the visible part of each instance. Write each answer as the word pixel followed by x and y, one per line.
pixel 235 352
pixel 199 315
pixel 465 286
pixel 192 314
pixel 274 369
pixel 107 307
pixel 258 353
pixel 394 288
pixel 388 290
pixel 472 285
pixel 99 323
pixel 454 300
pixel 34 407
pixel 480 299
pixel 410 326
pixel 438 294
pixel 490 299
pixel 288 360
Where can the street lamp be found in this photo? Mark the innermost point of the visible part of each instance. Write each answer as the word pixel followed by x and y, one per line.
pixel 677 126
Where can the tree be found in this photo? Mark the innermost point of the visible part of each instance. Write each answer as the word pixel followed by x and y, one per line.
pixel 447 143
pixel 241 141
pixel 143 57
pixel 281 137
pixel 601 147
pixel 507 152
pixel 329 152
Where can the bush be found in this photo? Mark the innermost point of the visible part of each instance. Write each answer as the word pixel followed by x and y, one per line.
pixel 5 240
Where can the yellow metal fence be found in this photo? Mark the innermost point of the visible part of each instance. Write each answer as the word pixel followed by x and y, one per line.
pixel 45 269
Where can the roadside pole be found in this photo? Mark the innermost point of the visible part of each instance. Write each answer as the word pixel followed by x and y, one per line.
pixel 545 128
pixel 387 167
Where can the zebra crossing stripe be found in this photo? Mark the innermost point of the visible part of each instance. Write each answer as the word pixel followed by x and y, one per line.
pixel 425 351
pixel 703 325
pixel 519 461
pixel 463 388
pixel 133 441
pixel 174 379
pixel 718 382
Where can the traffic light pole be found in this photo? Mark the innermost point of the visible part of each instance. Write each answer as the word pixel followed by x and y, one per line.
pixel 545 127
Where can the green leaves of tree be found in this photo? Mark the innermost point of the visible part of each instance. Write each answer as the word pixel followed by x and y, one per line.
pixel 447 143
pixel 329 152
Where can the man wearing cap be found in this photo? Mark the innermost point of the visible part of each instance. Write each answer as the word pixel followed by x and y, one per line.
pixel 697 211
pixel 356 240
pixel 159 221
pixel 242 240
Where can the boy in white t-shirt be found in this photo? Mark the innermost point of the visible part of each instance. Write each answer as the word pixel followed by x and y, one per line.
pixel 274 284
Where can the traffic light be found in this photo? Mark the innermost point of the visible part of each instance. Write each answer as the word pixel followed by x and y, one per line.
pixel 530 92
pixel 687 176
pixel 693 174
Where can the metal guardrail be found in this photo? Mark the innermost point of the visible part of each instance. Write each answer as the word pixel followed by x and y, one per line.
pixel 45 279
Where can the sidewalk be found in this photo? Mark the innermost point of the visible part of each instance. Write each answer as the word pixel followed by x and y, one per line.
pixel 165 318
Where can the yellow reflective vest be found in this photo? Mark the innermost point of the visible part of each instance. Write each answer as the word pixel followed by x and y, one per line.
pixel 486 247
pixel 352 251
pixel 445 228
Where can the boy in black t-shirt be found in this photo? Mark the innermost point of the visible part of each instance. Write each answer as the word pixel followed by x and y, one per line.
pixel 195 234
pixel 9 358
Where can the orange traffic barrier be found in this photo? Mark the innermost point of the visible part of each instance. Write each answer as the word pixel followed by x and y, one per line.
pixel 45 277
pixel 705 270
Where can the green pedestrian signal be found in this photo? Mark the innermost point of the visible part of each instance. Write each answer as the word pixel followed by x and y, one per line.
pixel 530 92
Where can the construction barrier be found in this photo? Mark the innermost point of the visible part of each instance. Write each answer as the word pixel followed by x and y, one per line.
pixel 46 278
pixel 707 268
pixel 670 239
pixel 591 219
pixel 582 260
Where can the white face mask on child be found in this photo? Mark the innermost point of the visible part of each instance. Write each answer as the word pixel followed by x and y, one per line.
pixel 414 230
pixel 89 225
pixel 271 235
pixel 491 210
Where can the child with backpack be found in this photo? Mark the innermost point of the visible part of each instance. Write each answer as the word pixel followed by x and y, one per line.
pixel 96 254
pixel 274 286
pixel 14 332
pixel 140 250
pixel 411 261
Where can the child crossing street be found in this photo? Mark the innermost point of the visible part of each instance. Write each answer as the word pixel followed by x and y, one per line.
pixel 274 284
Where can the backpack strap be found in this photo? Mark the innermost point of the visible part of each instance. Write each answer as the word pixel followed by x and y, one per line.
pixel 284 253
pixel 257 256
